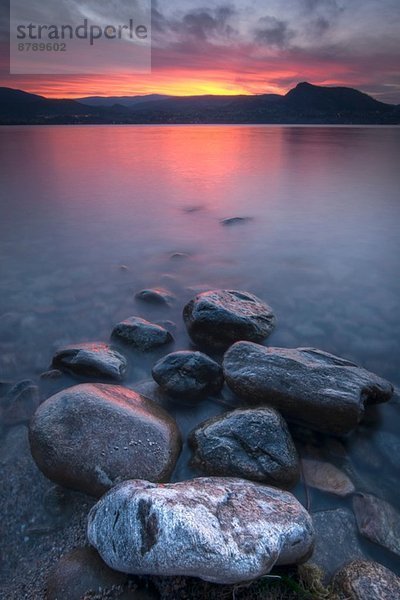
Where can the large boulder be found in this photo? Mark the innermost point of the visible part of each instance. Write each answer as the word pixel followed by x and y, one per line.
pixel 141 334
pixel 219 318
pixel 90 437
pixel 218 529
pixel 314 388
pixel 188 375
pixel 366 580
pixel 250 443
pixel 91 359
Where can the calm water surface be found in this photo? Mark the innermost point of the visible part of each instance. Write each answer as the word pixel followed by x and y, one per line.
pixel 322 247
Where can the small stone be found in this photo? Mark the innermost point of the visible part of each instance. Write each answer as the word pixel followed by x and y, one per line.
pixel 235 221
pixel 378 521
pixel 218 529
pixel 366 580
pixel 142 334
pixel 188 375
pixel 250 443
pixel 326 477
pixel 76 434
pixel 80 572
pixel 309 386
pixel 155 296
pixel 221 317
pixel 92 359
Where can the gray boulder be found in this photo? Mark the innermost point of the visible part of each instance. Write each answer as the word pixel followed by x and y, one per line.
pixel 314 388
pixel 219 318
pixel 91 359
pixel 141 334
pixel 90 437
pixel 366 580
pixel 157 296
pixel 251 443
pixel 218 529
pixel 378 521
pixel 188 375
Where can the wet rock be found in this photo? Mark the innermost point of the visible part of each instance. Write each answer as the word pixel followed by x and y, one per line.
pixel 221 317
pixel 336 539
pixel 326 477
pixel 235 221
pixel 92 359
pixel 253 444
pixel 92 436
pixel 179 255
pixel 314 388
pixel 378 521
pixel 52 374
pixel 188 375
pixel 80 572
pixel 19 403
pixel 366 580
pixel 157 296
pixel 218 529
pixel 141 334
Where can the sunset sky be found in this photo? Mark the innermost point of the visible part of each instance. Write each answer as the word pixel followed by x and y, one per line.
pixel 249 47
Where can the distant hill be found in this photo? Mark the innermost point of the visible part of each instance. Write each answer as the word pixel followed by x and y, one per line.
pixel 305 104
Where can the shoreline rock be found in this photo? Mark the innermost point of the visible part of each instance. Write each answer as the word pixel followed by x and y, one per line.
pixel 141 334
pixel 309 386
pixel 250 443
pixel 91 359
pixel 92 436
pixel 366 580
pixel 218 529
pixel 220 318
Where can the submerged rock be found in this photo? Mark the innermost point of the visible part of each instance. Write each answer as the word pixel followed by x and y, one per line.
pixel 188 375
pixel 141 334
pixel 155 296
pixel 221 317
pixel 250 443
pixel 366 580
pixel 235 221
pixel 326 477
pixel 218 529
pixel 80 572
pixel 378 521
pixel 90 437
pixel 92 359
pixel 19 403
pixel 311 387
pixel 336 539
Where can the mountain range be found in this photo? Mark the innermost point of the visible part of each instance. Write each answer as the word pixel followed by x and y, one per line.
pixel 304 104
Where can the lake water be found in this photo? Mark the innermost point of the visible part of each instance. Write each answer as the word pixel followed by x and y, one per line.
pixel 322 247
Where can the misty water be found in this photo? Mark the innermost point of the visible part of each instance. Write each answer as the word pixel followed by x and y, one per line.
pixel 91 215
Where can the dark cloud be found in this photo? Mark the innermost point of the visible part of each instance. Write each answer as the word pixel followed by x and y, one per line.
pixel 199 24
pixel 273 32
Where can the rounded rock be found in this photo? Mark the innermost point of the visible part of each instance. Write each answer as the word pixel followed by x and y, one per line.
pixel 366 580
pixel 92 436
pixel 250 443
pixel 218 529
pixel 188 375
pixel 91 359
pixel 141 334
pixel 220 318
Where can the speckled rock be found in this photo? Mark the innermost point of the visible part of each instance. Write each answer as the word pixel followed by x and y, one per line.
pixel 188 375
pixel 79 572
pixel 314 388
pixel 141 334
pixel 366 580
pixel 251 443
pixel 90 437
pixel 218 529
pixel 378 521
pixel 155 296
pixel 92 359
pixel 219 318
pixel 326 477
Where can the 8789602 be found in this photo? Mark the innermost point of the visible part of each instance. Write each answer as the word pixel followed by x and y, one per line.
pixel 42 47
